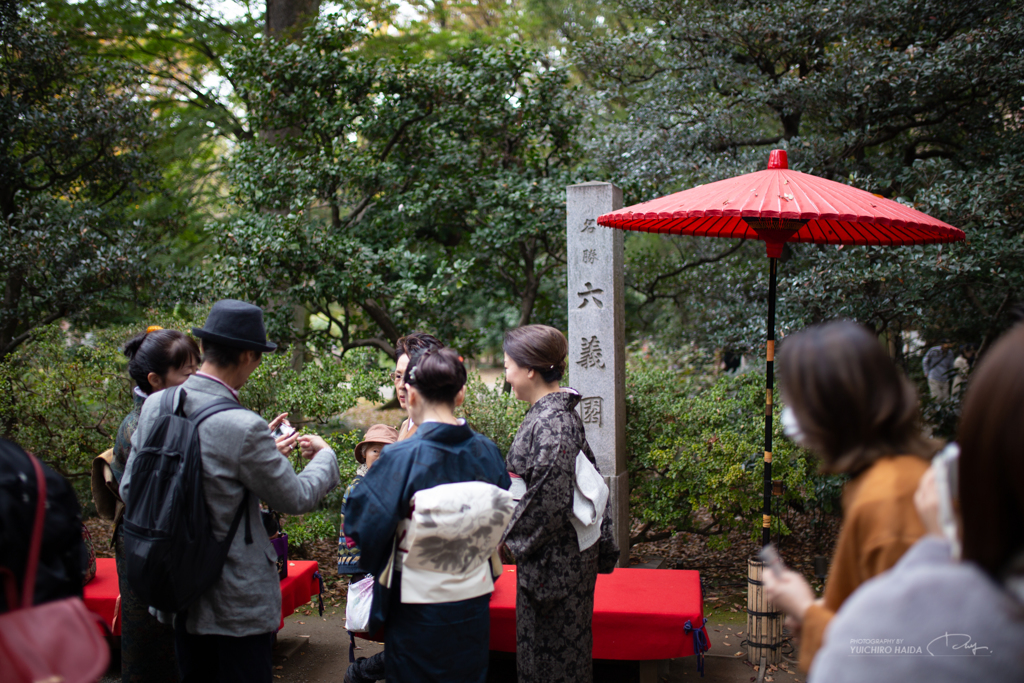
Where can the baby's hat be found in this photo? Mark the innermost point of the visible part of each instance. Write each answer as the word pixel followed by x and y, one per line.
pixel 375 434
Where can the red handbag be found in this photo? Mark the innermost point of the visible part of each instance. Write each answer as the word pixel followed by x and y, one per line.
pixel 55 642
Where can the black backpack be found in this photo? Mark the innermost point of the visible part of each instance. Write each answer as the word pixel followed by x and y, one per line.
pixel 171 556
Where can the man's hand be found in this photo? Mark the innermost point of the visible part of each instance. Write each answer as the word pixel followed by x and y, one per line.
pixel 310 445
pixel 285 444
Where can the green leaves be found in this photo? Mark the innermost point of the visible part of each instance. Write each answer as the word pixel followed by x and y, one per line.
pixel 907 99
pixel 74 161
pixel 385 194
pixel 695 452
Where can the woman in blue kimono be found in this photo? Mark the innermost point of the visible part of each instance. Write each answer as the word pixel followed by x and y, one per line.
pixel 436 621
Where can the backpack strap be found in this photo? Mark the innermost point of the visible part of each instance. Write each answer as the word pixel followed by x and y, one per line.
pixel 173 401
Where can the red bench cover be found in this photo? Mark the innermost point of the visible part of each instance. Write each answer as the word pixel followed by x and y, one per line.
pixel 102 593
pixel 639 614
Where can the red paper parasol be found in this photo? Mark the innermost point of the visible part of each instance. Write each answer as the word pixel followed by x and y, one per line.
pixel 778 206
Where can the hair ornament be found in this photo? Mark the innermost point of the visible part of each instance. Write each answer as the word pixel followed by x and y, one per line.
pixel 411 375
pixel 153 328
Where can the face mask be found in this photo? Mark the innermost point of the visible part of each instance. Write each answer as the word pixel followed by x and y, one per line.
pixel 790 427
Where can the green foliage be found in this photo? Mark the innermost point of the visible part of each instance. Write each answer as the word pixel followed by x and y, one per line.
pixel 178 49
pixel 73 163
pixel 307 529
pixel 387 193
pixel 695 453
pixel 493 412
pixel 63 397
pixel 317 393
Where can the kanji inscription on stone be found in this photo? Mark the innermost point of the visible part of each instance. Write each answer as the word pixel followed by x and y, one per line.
pixel 590 255
pixel 590 354
pixel 590 407
pixel 589 294
pixel 589 225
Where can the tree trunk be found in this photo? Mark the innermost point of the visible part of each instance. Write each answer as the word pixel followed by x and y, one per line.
pixel 531 286
pixel 285 21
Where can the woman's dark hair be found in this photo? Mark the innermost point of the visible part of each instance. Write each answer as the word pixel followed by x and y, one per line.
pixel 991 468
pixel 223 356
pixel 158 351
pixel 538 347
pixel 437 374
pixel 416 343
pixel 852 403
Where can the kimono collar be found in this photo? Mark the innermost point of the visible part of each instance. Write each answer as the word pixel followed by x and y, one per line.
pixel 565 398
pixel 139 397
pixel 444 433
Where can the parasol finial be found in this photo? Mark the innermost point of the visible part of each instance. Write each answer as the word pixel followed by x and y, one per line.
pixel 777 159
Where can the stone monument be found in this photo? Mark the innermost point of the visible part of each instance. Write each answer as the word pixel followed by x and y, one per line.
pixel 597 338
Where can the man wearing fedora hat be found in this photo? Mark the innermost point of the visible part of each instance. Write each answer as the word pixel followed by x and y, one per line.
pixel 226 635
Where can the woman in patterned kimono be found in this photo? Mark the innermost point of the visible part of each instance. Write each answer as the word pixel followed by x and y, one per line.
pixel 555 580
pixel 436 623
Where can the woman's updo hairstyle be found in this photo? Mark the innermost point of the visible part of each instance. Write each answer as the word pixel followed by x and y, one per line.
pixel 539 348
pixel 158 351
pixel 852 403
pixel 438 375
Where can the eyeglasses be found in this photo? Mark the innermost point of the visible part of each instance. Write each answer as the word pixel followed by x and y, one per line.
pixel 396 376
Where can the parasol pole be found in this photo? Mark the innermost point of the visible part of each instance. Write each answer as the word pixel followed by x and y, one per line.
pixel 766 513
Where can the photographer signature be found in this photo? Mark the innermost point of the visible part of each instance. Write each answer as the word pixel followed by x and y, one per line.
pixel 957 641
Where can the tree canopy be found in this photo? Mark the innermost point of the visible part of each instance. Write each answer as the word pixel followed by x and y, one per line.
pixel 74 163
pixel 390 191
pixel 918 101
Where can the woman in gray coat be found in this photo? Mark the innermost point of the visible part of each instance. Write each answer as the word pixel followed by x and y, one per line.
pixel 555 580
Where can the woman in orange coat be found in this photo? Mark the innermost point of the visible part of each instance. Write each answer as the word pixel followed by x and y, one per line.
pixel 848 403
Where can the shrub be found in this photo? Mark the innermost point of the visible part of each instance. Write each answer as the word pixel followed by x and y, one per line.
pixel 695 454
pixel 492 412
pixel 307 529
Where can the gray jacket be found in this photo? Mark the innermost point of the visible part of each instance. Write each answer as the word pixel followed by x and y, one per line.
pixel 927 620
pixel 938 364
pixel 238 454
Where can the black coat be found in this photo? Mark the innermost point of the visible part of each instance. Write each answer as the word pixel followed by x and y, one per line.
pixel 63 555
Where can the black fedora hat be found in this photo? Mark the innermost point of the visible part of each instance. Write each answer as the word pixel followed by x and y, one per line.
pixel 236 324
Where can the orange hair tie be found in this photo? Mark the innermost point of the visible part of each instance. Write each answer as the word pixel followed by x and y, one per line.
pixel 153 328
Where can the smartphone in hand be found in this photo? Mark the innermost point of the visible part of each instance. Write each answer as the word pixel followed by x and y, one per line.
pixel 284 429
pixel 769 554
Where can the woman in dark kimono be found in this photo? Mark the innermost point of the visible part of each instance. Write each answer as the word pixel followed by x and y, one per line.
pixel 437 632
pixel 555 589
